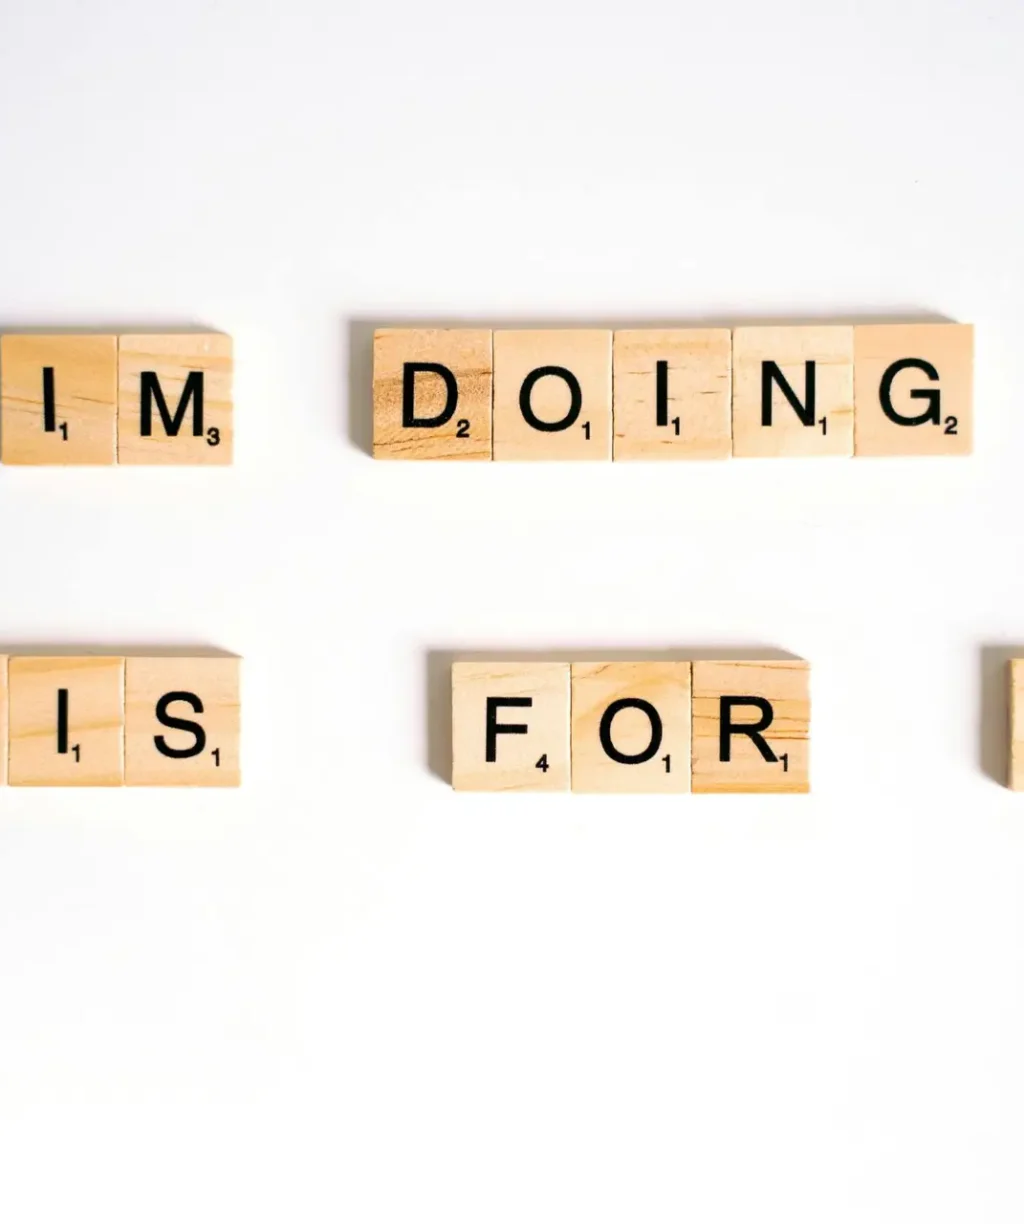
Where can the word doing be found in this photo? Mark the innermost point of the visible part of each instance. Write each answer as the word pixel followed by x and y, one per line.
pixel 690 393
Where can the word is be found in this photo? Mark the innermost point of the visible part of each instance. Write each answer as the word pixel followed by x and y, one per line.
pixel 102 721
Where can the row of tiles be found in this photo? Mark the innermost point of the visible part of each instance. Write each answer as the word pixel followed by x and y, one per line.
pixel 124 720
pixel 104 399
pixel 736 726
pixel 628 726
pixel 647 727
pixel 685 393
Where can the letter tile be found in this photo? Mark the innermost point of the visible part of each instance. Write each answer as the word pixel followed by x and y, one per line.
pixel 510 726
pixel 58 399
pixel 182 721
pixel 432 391
pixel 913 387
pixel 66 721
pixel 631 727
pixel 672 394
pixel 552 394
pixel 751 727
pixel 3 720
pixel 1016 778
pixel 175 399
pixel 792 391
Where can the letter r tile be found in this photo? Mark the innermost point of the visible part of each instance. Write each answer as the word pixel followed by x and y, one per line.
pixel 510 726
pixel 431 393
pixel 751 727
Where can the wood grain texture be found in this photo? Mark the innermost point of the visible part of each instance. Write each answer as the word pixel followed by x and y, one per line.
pixel 3 720
pixel 1016 758
pixel 209 697
pixel 698 394
pixel 172 359
pixel 467 354
pixel 948 348
pixel 631 731
pixel 790 348
pixel 95 718
pixel 784 684
pixel 84 391
pixel 587 355
pixel 546 740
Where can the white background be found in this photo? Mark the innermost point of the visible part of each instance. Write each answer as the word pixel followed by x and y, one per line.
pixel 344 993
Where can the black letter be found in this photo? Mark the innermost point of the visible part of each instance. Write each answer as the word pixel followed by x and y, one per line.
pixel 49 402
pixel 409 371
pixel 575 400
pixel 495 728
pixel 62 721
pixel 626 758
pixel 727 728
pixel 932 413
pixel 151 389
pixel 179 724
pixel 770 371
pixel 661 391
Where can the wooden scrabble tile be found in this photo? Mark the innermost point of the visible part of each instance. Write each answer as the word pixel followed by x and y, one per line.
pixel 672 394
pixel 58 399
pixel 1016 778
pixel 175 399
pixel 792 391
pixel 510 726
pixel 431 393
pixel 751 727
pixel 913 384
pixel 66 721
pixel 3 720
pixel 182 721
pixel 552 394
pixel 631 727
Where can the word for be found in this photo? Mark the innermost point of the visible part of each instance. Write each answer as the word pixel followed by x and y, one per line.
pixel 126 721
pixel 638 727
pixel 90 399
pixel 1016 754
pixel 688 393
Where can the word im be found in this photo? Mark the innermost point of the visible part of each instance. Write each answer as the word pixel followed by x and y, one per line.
pixel 91 399
pixel 690 393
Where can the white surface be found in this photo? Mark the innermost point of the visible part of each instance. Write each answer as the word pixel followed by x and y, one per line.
pixel 344 993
